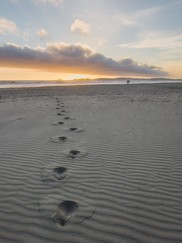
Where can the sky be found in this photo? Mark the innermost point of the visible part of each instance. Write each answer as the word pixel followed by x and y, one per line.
pixel 69 39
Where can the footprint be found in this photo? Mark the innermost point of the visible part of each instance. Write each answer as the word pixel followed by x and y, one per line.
pixel 73 129
pixel 59 114
pixel 59 139
pixel 76 129
pixel 57 108
pixel 57 123
pixel 54 173
pixel 18 118
pixel 60 172
pixel 63 111
pixel 66 117
pixel 66 210
pixel 74 153
pixel 60 122
pixel 63 138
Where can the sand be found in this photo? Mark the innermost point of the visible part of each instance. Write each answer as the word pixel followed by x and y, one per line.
pixel 91 164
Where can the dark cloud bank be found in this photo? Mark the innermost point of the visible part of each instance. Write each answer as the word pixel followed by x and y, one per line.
pixel 67 58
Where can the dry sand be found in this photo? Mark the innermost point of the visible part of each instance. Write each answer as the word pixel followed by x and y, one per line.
pixel 91 164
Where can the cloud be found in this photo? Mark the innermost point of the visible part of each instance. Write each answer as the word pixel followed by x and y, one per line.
pixel 139 17
pixel 128 21
pixel 101 41
pixel 13 1
pixel 80 27
pixel 42 33
pixel 155 40
pixel 53 3
pixel 68 58
pixel 7 26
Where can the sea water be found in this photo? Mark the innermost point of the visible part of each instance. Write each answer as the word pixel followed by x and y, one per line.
pixel 24 84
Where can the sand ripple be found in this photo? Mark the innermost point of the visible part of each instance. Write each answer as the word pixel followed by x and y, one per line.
pixel 119 180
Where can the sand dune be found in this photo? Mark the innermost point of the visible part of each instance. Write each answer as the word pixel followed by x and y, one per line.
pixel 91 164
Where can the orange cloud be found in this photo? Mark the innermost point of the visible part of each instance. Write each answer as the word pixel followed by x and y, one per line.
pixel 42 33
pixel 7 26
pixel 68 58
pixel 80 27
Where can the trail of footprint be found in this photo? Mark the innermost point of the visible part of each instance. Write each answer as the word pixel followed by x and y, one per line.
pixel 58 102
pixel 67 211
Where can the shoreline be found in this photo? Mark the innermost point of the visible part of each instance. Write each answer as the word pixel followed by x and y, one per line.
pixel 126 87
pixel 43 84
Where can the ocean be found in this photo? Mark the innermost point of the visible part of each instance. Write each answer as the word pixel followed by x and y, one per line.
pixel 24 84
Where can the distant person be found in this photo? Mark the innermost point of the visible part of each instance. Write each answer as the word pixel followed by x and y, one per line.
pixel 128 81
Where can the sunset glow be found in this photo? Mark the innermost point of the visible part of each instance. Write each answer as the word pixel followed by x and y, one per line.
pixel 60 39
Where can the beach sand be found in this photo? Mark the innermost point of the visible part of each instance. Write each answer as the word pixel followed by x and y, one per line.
pixel 91 164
